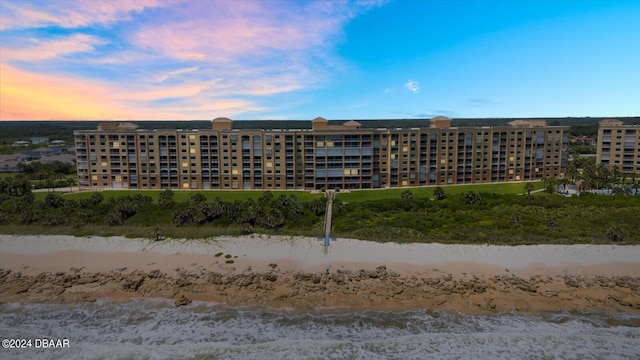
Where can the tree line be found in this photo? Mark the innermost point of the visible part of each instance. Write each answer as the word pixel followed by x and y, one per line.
pixel 587 175
pixel 479 217
pixel 268 213
pixel 470 217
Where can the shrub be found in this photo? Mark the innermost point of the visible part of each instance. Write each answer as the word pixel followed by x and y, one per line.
pixel 439 193
pixel 615 233
pixel 165 199
pixel 53 200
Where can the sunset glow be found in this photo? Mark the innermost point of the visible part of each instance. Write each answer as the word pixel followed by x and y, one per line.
pixel 152 59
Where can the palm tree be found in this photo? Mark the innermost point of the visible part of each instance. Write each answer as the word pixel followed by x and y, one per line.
pixel 529 187
pixel 616 174
pixel 9 185
pixel 572 171
pixel 603 175
pixel 51 180
pixel 549 184
pixel 4 185
pixel 317 205
pixel 24 184
pixel 71 182
pixel 634 178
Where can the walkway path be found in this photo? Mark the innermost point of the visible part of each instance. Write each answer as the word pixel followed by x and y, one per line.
pixel 327 221
pixel 328 213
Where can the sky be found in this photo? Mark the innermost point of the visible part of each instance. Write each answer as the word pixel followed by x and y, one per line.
pixel 286 59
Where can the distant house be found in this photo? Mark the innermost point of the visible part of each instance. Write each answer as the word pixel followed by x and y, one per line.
pixel 9 166
pixel 65 158
pixel 39 140
pixel 21 143
pixel 58 149
pixel 9 162
pixel 57 143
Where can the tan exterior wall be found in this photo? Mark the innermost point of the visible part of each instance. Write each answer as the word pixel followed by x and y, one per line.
pixel 344 157
pixel 619 146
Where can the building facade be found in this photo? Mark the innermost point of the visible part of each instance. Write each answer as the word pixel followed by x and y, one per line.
pixel 619 145
pixel 326 156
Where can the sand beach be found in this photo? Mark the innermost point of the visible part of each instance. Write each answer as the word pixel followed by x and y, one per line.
pixel 298 272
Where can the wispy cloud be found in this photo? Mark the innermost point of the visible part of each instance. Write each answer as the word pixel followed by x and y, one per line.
pixel 70 14
pixel 480 102
pixel 183 59
pixel 176 73
pixel 444 112
pixel 27 95
pixel 412 86
pixel 53 48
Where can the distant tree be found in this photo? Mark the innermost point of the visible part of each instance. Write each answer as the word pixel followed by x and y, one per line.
pixel 251 214
pixel 213 209
pixel 549 184
pixel 234 210
pixel 620 191
pixel 602 176
pixel 407 195
pixel 165 199
pixel 571 171
pixel 317 205
pixel 615 233
pixel 529 187
pixel 71 182
pixel 53 200
pixel 4 186
pixel 472 197
pixel 290 206
pixel 616 175
pixel 20 185
pixel 50 181
pixel 198 198
pixel 439 193
pixel 25 168
pixel 96 198
pixel 339 206
pixel 273 219
pixel 266 197
pixel 634 180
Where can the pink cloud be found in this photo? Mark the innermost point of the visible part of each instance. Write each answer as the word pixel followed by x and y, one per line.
pixel 45 50
pixel 165 92
pixel 193 59
pixel 224 31
pixel 70 14
pixel 25 95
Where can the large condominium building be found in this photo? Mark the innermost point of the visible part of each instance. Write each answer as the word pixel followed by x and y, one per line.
pixel 345 156
pixel 619 145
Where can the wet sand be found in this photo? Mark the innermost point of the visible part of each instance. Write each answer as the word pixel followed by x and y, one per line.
pixel 295 271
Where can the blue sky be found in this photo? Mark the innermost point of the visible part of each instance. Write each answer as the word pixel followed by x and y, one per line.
pixel 153 59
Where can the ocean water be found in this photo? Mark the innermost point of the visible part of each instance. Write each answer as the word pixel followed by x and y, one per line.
pixel 156 329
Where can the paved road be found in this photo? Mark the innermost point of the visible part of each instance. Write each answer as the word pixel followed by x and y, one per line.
pixel 60 189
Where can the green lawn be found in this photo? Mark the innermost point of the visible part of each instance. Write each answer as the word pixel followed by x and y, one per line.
pixel 366 195
pixel 183 195
pixel 353 196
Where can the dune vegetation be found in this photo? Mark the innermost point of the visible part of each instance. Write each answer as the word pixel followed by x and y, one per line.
pixel 457 214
